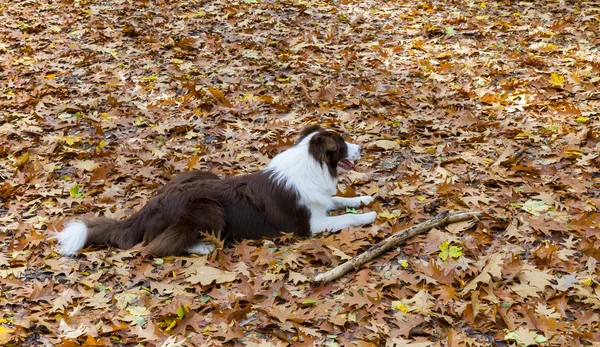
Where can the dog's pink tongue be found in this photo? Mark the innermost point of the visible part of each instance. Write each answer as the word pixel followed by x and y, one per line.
pixel 348 163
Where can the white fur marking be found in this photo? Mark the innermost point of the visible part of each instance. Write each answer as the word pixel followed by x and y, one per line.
pixel 72 238
pixel 341 202
pixel 202 248
pixel 296 169
pixel 337 223
pixel 353 151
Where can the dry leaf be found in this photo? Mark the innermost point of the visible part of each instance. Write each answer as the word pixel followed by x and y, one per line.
pixel 206 275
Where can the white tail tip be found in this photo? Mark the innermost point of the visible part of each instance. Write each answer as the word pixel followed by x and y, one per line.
pixel 72 238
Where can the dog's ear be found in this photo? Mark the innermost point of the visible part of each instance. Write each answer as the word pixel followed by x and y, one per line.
pixel 322 145
pixel 309 130
pixel 327 140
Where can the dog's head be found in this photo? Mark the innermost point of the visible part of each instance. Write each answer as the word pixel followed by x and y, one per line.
pixel 328 147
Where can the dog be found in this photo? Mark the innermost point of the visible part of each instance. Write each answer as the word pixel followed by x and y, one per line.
pixel 293 194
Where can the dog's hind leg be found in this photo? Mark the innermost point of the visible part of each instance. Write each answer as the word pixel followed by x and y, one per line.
pixel 201 248
pixel 175 240
pixel 198 214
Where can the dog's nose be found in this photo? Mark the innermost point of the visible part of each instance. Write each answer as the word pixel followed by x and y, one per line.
pixel 360 150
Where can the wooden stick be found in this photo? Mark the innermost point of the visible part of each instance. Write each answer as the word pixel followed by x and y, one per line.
pixel 393 240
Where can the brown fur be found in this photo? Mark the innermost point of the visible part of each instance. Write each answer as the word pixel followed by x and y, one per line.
pixel 199 201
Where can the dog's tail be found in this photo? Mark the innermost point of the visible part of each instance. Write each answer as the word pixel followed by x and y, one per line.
pixel 98 231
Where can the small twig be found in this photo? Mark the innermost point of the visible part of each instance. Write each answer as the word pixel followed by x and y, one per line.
pixel 393 240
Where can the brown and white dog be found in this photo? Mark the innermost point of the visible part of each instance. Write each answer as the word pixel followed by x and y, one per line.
pixel 293 194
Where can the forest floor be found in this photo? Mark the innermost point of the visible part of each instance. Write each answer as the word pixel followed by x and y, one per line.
pixel 465 105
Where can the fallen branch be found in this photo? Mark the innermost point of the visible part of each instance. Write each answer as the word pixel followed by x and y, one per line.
pixel 393 240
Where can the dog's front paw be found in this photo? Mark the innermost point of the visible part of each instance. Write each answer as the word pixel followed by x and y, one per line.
pixel 365 199
pixel 367 218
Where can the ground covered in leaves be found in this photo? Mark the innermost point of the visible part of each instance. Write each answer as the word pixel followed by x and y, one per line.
pixel 469 105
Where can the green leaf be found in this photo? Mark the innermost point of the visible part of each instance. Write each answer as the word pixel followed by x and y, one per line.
pixel 74 191
pixel 149 78
pixel 351 210
pixel 450 31
pixel 309 302
pixel 159 261
pixel 205 298
pixel 181 311
pixel 449 251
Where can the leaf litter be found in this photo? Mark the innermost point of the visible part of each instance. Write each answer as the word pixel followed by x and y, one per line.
pixel 471 105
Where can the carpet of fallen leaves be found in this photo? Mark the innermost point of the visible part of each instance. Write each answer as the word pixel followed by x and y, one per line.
pixel 463 105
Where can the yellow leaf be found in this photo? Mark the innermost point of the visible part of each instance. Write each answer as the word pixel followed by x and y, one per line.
pixel 21 160
pixel 418 44
pixel 171 325
pixel 400 306
pixel 574 153
pixel 386 215
pixel 139 121
pixel 482 5
pixel 152 77
pixel 5 334
pixel 581 119
pixel 587 282
pixel 443 55
pixel 283 80
pixel 447 250
pixel 50 76
pixel 557 79
pixel 70 139
pixel 403 263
